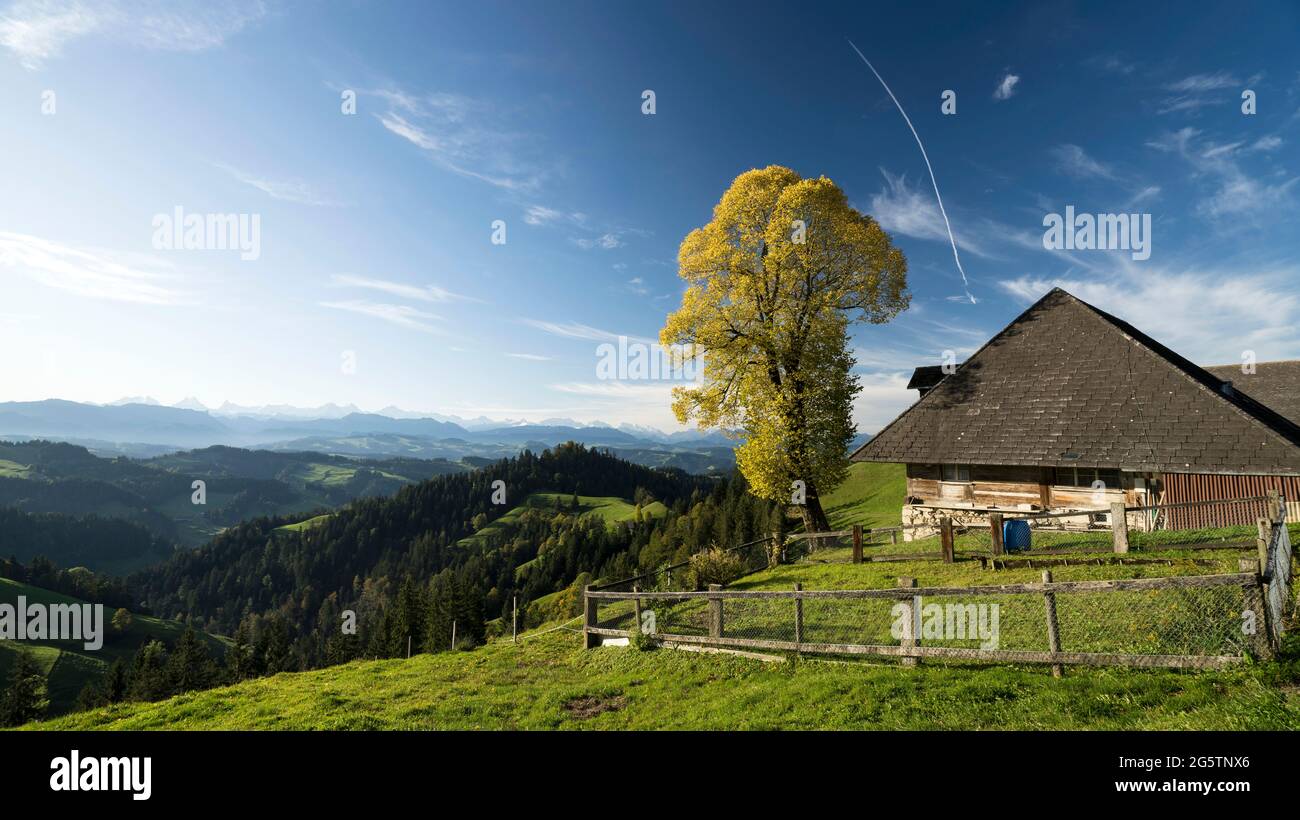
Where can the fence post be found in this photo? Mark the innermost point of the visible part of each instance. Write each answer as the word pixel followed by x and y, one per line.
pixel 910 639
pixel 1275 505
pixel 776 555
pixel 715 613
pixel 636 609
pixel 1119 526
pixel 995 531
pixel 589 640
pixel 1053 627
pixel 893 536
pixel 1264 536
pixel 514 619
pixel 1253 593
pixel 798 616
pixel 945 539
pixel 857 543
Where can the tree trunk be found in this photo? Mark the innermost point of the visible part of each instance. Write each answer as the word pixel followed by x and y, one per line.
pixel 814 517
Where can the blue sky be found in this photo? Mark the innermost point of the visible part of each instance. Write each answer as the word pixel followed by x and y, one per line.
pixel 375 228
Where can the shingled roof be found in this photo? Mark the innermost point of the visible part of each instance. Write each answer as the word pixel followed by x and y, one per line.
pixel 1068 384
pixel 1274 384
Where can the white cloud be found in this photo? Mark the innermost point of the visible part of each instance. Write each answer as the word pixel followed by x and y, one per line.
pixel 464 136
pixel 1204 82
pixel 539 215
pixel 1269 143
pixel 423 293
pixel 37 30
pixel 94 274
pixel 637 285
pixel 532 357
pixel 1209 316
pixel 1236 194
pixel 902 209
pixel 575 330
pixel 1007 87
pixel 607 241
pixel 402 315
pixel 1074 161
pixel 882 398
pixel 288 191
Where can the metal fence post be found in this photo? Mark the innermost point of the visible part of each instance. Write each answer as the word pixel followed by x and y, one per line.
pixel 1119 526
pixel 715 612
pixel 1053 627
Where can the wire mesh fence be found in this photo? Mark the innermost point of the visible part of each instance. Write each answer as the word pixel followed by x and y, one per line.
pixel 1188 621
pixel 1211 525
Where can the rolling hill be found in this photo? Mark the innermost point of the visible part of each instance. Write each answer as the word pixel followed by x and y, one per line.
pixel 157 493
pixel 68 664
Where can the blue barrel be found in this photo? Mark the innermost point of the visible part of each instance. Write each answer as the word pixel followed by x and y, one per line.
pixel 1015 535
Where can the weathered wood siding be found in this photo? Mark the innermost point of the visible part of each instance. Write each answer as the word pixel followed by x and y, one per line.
pixel 1009 488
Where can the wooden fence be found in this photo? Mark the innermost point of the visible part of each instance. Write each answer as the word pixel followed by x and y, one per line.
pixel 1212 606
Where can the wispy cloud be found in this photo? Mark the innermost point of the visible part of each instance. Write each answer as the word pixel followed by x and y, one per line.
pixel 1199 90
pixel 1074 161
pixel 1007 87
pixel 402 315
pixel 1236 193
pixel 465 136
pixel 606 241
pixel 423 293
pixel 531 357
pixel 637 285
pixel 287 190
pixel 903 209
pixel 1110 64
pixel 36 31
pixel 94 274
pixel 576 330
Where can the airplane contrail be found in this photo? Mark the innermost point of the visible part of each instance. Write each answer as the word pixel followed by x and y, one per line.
pixel 956 258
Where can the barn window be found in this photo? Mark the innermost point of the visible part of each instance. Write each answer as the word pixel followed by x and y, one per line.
pixel 956 472
pixel 1086 476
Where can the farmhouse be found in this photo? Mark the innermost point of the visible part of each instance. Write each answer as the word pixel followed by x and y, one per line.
pixel 1069 408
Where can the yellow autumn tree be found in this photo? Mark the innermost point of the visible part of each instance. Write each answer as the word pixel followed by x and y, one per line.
pixel 773 283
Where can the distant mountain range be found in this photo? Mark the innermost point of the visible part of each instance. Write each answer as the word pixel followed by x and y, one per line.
pixel 144 428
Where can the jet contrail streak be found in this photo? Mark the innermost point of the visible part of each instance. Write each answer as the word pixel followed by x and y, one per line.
pixel 926 157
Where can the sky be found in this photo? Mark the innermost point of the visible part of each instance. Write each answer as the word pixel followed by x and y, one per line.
pixel 375 280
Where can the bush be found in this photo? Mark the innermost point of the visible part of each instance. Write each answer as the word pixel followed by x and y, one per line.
pixel 715 566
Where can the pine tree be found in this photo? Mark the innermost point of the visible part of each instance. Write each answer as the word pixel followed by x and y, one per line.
pixel 26 698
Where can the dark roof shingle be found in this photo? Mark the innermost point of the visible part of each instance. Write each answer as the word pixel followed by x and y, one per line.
pixel 1068 384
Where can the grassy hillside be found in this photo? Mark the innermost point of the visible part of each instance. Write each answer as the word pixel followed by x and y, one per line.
pixel 68 664
pixel 548 682
pixel 872 496
pixel 610 508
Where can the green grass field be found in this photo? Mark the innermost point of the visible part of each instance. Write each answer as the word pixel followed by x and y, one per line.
pixel 305 525
pixel 549 682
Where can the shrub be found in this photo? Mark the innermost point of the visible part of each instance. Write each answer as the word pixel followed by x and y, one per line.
pixel 715 566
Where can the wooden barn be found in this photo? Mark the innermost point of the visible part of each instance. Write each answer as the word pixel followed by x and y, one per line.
pixel 1069 408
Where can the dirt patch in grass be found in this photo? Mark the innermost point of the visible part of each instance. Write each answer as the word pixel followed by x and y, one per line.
pixel 588 706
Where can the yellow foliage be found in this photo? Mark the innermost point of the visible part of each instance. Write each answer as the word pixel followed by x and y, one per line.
pixel 773 282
